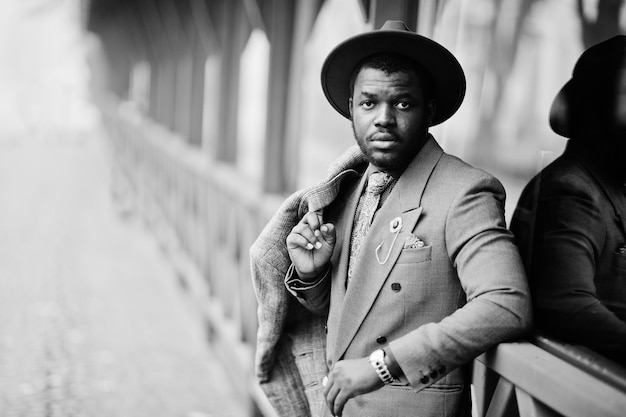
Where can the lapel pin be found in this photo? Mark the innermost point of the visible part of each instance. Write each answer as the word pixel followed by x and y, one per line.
pixel 394 227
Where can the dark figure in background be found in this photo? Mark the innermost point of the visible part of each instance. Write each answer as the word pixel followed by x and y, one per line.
pixel 435 281
pixel 570 223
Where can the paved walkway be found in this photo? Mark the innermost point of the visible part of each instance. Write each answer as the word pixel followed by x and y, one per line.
pixel 92 322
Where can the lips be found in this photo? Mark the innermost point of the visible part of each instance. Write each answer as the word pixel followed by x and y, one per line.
pixel 383 137
pixel 383 143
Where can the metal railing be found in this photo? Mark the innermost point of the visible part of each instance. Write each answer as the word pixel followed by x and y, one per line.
pixel 206 217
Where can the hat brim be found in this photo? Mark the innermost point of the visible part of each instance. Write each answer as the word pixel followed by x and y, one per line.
pixel 445 71
pixel 559 111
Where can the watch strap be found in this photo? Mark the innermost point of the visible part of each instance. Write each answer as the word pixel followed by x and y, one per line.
pixel 381 369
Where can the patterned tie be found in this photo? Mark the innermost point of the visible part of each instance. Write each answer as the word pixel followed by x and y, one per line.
pixel 376 184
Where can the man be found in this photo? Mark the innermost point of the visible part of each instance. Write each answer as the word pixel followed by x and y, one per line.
pixel 437 279
pixel 570 222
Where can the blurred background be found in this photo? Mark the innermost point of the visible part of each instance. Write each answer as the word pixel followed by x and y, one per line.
pixel 171 130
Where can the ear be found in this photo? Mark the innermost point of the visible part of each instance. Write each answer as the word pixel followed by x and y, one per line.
pixel 350 107
pixel 431 109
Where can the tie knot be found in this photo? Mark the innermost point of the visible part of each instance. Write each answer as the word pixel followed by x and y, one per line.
pixel 377 182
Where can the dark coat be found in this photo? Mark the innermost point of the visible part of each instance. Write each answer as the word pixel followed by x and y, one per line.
pixel 570 225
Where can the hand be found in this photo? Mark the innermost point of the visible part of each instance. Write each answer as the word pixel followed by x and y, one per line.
pixel 310 245
pixel 347 379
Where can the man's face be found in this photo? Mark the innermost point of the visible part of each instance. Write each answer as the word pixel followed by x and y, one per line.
pixel 390 119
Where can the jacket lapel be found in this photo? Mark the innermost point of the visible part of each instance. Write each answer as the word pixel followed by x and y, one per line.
pixel 341 257
pixel 373 266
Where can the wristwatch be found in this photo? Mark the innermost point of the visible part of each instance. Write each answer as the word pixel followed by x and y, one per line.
pixel 377 359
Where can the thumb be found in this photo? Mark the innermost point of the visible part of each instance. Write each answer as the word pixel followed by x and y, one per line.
pixel 329 233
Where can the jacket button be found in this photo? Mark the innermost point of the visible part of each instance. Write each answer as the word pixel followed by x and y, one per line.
pixel 433 374
pixel 442 369
pixel 325 329
pixel 424 379
pixel 381 340
pixel 396 287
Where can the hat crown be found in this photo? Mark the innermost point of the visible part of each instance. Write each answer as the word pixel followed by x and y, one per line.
pixel 606 55
pixel 597 68
pixel 395 25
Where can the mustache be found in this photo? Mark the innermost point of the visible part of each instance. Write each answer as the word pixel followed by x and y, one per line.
pixel 383 134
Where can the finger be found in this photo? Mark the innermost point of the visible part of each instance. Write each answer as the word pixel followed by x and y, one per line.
pixel 330 397
pixel 326 385
pixel 314 220
pixel 305 231
pixel 329 233
pixel 340 402
pixel 295 240
pixel 320 218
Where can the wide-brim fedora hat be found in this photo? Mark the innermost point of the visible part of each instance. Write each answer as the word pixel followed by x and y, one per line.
pixel 594 73
pixel 395 38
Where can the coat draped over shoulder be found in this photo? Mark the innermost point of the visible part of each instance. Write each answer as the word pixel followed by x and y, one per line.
pixel 291 341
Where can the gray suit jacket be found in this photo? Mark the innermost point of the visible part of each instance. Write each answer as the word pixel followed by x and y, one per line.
pixel 436 306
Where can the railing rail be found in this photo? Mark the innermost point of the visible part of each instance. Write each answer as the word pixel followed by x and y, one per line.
pixel 585 360
pixel 206 217
pixel 524 379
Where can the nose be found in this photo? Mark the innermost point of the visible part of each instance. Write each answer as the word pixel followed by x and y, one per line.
pixel 385 116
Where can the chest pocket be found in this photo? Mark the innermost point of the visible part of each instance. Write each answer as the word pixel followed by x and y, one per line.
pixel 415 255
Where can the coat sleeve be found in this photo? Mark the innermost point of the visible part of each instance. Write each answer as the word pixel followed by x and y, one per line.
pixel 490 271
pixel 314 296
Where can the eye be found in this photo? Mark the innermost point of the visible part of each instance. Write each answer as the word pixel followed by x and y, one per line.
pixel 367 104
pixel 403 105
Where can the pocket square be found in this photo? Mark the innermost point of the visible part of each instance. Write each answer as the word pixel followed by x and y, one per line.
pixel 413 242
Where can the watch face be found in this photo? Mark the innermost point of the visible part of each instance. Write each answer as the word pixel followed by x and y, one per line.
pixel 377 356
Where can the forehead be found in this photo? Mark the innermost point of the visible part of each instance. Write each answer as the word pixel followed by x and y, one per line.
pixel 373 80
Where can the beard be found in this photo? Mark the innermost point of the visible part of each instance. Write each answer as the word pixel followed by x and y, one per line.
pixel 391 162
